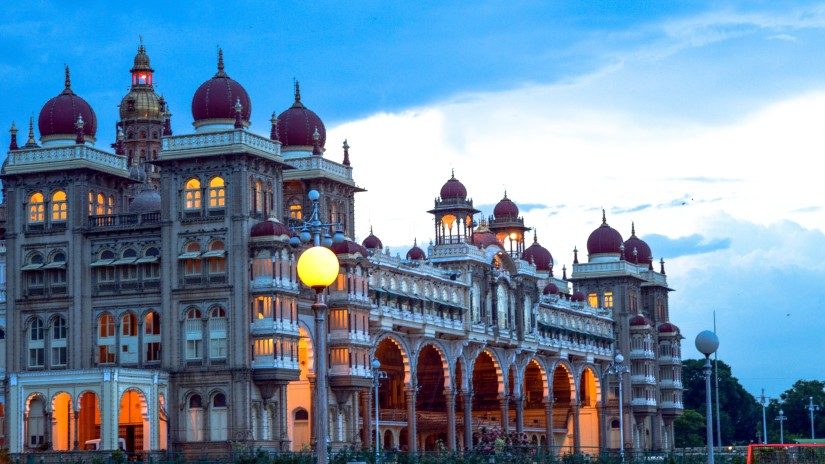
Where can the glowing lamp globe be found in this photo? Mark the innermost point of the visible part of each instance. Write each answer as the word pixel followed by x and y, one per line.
pixel 318 267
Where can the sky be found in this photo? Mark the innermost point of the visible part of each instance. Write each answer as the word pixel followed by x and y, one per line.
pixel 699 122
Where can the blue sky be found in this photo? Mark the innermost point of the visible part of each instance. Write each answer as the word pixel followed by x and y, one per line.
pixel 699 121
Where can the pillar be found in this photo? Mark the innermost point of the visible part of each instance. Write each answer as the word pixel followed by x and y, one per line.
pixel 76 430
pixel 355 438
pixel 468 420
pixel 283 418
pixel 412 434
pixel 366 415
pixel 519 414
pixel 504 401
pixel 449 394
pixel 312 438
pixel 577 439
pixel 548 417
pixel 47 419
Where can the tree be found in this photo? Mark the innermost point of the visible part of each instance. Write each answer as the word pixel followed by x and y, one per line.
pixel 794 404
pixel 690 429
pixel 740 414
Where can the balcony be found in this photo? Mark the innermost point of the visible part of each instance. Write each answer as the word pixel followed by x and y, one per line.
pixel 129 220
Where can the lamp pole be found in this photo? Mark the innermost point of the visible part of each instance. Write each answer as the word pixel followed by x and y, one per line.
pixel 318 267
pixel 707 342
pixel 812 408
pixel 377 375
pixel 781 418
pixel 616 367
pixel 763 400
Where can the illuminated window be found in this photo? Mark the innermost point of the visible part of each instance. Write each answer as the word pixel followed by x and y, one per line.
pixel 91 203
pixel 110 206
pixel 608 299
pixel 194 334
pixel 593 300
pixel 36 208
pixel 151 336
pixel 295 210
pixel 258 200
pixel 100 204
pixel 217 192
pixel 192 194
pixel 106 339
pixel 262 308
pixel 58 206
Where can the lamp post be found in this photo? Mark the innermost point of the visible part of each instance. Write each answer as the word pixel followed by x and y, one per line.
pixel 781 418
pixel 763 400
pixel 318 267
pixel 616 367
pixel 812 408
pixel 377 375
pixel 707 342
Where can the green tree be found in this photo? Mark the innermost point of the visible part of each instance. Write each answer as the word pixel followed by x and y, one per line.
pixel 690 429
pixel 794 404
pixel 740 414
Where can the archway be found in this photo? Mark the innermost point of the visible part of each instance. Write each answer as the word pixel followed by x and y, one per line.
pixel 132 422
pixel 392 399
pixel 563 391
pixel 588 414
pixel 88 420
pixel 486 387
pixel 300 430
pixel 431 404
pixel 36 422
pixel 63 432
pixel 534 395
pixel 299 396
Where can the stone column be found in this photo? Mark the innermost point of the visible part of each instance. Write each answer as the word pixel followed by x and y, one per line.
pixel 468 420
pixel 504 401
pixel 283 417
pixel 76 431
pixel 656 431
pixel 519 414
pixel 449 394
pixel 548 417
pixel 355 438
pixel 577 439
pixel 366 414
pixel 47 419
pixel 312 438
pixel 412 434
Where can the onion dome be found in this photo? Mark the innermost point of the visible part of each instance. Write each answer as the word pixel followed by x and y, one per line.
pixel 298 123
pixel 137 173
pixel 214 101
pixel 142 102
pixel 147 200
pixel 539 256
pixel 453 189
pixel 605 239
pixel 667 327
pixel 578 296
pixel 59 116
pixel 372 242
pixel 416 253
pixel 484 237
pixel 551 289
pixel 636 250
pixel 348 247
pixel 640 321
pixel 270 228
pixel 505 208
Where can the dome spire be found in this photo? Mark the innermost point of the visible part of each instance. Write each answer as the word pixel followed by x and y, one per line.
pixel 297 91
pixel 238 118
pixel 68 82
pixel 316 144
pixel 273 132
pixel 31 143
pixel 632 228
pixel 13 143
pixel 346 153
pixel 220 72
pixel 604 218
pixel 80 140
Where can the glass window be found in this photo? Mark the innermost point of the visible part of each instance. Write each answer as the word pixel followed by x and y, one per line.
pixel 217 192
pixel 608 299
pixel 58 342
pixel 217 333
pixel 192 266
pixel 36 208
pixel 151 336
pixel 59 206
pixel 194 419
pixel 106 339
pixel 217 258
pixel 37 348
pixel 194 334
pixel 192 194
pixel 593 300
pixel 100 204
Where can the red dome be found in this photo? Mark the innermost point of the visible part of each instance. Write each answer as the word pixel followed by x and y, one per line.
pixel 270 228
pixel 297 125
pixel 643 254
pixel 505 208
pixel 605 239
pixel 551 289
pixel 348 247
pixel 485 239
pixel 217 97
pixel 539 256
pixel 578 296
pixel 416 253
pixel 372 242
pixel 59 115
pixel 667 327
pixel 639 321
pixel 453 189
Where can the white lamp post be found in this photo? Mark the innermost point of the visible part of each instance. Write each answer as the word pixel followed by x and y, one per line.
pixel 781 418
pixel 812 408
pixel 318 267
pixel 707 342
pixel 616 367
pixel 763 400
pixel 377 375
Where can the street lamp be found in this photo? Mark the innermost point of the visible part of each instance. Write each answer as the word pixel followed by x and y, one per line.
pixel 707 342
pixel 763 400
pixel 812 408
pixel 781 418
pixel 318 267
pixel 377 375
pixel 616 367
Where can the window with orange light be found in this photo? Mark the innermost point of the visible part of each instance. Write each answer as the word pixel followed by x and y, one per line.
pixel 608 299
pixel 36 208
pixel 593 300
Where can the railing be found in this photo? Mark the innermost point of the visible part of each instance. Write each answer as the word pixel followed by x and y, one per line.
pixel 54 159
pixel 124 220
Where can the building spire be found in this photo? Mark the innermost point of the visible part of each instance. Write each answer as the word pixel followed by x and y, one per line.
pixel 632 228
pixel 238 118
pixel 346 153
pixel 220 59
pixel 297 91
pixel 81 139
pixel 13 143
pixel 31 143
pixel 273 132
pixel 604 218
pixel 316 142
pixel 68 81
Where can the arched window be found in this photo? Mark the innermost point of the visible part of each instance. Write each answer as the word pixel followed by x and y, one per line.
pixel 104 266
pixel 58 342
pixel 192 259
pixel 217 257
pixel 217 418
pixel 258 196
pixel 217 333
pixel 91 203
pixel 217 192
pixel 100 204
pixel 270 198
pixel 37 346
pixel 194 334
pixel 295 209
pixel 128 338
pixel 106 339
pixel 59 206
pixel 127 265
pixel 150 262
pixel 110 205
pixel 151 336
pixel 34 274
pixel 36 208
pixel 192 195
pixel 36 424
pixel 194 419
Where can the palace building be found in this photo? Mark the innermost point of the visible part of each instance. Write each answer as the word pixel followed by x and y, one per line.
pixel 150 299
